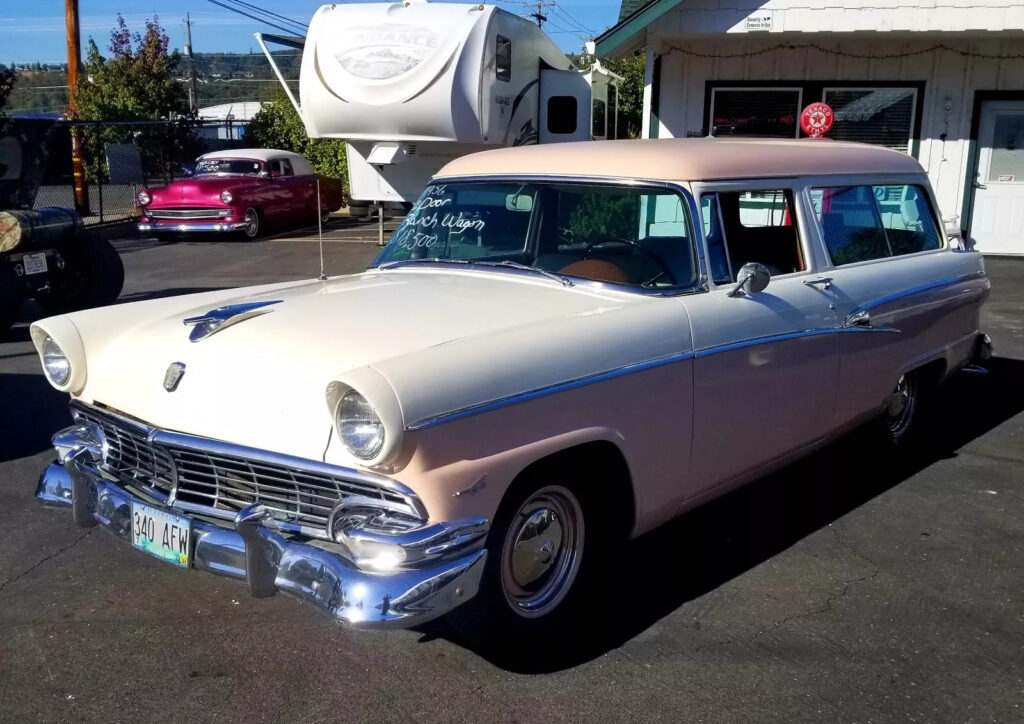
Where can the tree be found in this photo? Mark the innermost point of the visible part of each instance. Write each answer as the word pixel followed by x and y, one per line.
pixel 277 125
pixel 7 79
pixel 135 84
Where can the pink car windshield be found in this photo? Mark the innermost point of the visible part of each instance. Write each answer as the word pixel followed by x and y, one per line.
pixel 228 166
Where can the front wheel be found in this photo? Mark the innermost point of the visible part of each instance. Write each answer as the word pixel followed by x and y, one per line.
pixel 253 223
pixel 547 542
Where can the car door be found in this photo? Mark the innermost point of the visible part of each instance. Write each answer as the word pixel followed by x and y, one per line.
pixel 901 299
pixel 766 363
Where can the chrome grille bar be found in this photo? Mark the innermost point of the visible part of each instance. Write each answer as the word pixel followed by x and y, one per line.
pixel 200 213
pixel 202 474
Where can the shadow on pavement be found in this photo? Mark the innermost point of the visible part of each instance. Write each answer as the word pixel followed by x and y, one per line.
pixel 32 412
pixel 696 553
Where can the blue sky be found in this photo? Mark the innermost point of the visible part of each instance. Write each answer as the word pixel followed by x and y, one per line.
pixel 34 31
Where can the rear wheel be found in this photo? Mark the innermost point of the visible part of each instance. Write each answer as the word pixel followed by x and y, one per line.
pixel 900 421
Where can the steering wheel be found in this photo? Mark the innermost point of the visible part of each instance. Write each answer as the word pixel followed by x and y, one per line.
pixel 647 252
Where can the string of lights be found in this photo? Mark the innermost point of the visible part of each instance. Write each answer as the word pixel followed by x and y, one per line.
pixel 844 53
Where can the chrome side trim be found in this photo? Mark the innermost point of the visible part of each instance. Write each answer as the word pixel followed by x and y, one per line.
pixel 545 391
pixel 920 289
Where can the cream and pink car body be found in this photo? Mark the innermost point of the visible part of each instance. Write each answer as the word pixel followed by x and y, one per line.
pixel 479 373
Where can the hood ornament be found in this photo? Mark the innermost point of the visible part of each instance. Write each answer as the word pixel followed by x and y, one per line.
pixel 217 319
pixel 175 371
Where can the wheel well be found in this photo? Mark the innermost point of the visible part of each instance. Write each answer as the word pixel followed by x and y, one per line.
pixel 599 462
pixel 932 374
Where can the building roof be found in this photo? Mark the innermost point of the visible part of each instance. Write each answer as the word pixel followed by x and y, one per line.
pixel 630 31
pixel 628 7
pixel 688 159
pixel 243 111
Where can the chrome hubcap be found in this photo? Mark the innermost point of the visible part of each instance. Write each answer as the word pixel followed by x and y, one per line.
pixel 541 553
pixel 252 222
pixel 899 407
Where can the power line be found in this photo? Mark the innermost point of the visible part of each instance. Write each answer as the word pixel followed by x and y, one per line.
pixel 264 21
pixel 538 10
pixel 272 14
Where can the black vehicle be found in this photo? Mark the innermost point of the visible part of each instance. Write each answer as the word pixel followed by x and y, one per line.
pixel 45 254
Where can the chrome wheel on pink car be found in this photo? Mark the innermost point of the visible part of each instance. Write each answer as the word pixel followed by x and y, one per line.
pixel 542 550
pixel 252 223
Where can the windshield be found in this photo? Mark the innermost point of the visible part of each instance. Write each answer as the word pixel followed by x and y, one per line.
pixel 227 166
pixel 627 235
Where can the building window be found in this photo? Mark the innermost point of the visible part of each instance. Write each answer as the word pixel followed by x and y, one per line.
pixel 762 112
pixel 879 116
pixel 562 113
pixel 598 118
pixel 503 58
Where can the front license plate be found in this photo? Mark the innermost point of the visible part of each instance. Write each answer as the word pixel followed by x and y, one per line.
pixel 160 533
pixel 34 263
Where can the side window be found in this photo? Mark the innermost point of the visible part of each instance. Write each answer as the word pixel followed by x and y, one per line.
pixel 286 167
pixel 562 113
pixel 274 166
pixel 759 226
pixel 503 58
pixel 907 218
pixel 718 257
pixel 850 223
pixel 860 223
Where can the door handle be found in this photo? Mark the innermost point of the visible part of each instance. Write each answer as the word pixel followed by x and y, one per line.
pixel 979 185
pixel 858 319
pixel 823 282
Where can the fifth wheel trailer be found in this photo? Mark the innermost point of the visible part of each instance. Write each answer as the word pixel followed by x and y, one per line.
pixel 412 85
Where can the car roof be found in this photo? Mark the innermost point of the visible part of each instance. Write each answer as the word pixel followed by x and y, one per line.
pixel 299 163
pixel 688 159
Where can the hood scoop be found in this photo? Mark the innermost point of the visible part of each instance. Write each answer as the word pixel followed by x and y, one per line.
pixel 222 317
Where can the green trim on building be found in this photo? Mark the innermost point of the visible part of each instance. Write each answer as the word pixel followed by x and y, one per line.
pixel 615 36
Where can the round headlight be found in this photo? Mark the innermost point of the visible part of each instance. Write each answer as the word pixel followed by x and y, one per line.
pixel 55 362
pixel 226 197
pixel 361 431
pixel 144 198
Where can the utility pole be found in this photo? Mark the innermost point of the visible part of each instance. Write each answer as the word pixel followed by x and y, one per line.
pixel 193 95
pixel 74 69
pixel 538 13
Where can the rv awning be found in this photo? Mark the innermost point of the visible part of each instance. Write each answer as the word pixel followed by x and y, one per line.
pixel 630 33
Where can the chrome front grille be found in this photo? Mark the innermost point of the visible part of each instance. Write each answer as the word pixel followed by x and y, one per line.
pixel 129 451
pixel 206 476
pixel 193 214
pixel 231 483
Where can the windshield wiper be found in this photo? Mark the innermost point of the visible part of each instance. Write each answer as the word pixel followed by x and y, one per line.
pixel 508 264
pixel 433 260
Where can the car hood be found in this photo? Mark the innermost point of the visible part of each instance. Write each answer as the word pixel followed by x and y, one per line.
pixel 262 381
pixel 199 190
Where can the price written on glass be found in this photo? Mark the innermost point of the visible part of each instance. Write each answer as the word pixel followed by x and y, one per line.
pixel 428 216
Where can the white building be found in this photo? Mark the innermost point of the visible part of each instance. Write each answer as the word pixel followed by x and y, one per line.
pixel 227 121
pixel 942 80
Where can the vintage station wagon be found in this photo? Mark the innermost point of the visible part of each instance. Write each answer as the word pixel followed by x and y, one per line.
pixel 560 348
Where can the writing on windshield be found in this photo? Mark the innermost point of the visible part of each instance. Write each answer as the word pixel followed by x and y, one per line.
pixel 229 166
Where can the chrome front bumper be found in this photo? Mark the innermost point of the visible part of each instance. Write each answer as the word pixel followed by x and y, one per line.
pixel 450 556
pixel 190 226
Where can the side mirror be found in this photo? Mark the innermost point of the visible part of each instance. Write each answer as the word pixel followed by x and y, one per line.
pixel 187 170
pixel 753 278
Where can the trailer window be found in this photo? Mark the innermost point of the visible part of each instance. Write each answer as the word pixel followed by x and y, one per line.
pixel 503 58
pixel 562 113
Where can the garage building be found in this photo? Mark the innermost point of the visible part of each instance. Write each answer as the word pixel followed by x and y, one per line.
pixel 942 80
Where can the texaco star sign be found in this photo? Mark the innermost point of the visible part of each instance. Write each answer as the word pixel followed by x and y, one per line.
pixel 816 119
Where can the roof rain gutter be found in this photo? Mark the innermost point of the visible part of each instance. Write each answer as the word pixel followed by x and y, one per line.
pixel 288 41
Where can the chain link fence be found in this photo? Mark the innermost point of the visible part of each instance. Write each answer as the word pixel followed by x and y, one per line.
pixel 123 157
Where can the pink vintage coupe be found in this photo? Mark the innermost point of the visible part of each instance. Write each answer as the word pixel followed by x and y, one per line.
pixel 241 191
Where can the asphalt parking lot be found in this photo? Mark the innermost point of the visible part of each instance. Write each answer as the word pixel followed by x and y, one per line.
pixel 847 587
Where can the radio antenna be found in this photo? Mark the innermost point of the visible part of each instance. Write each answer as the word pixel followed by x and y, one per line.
pixel 320 231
